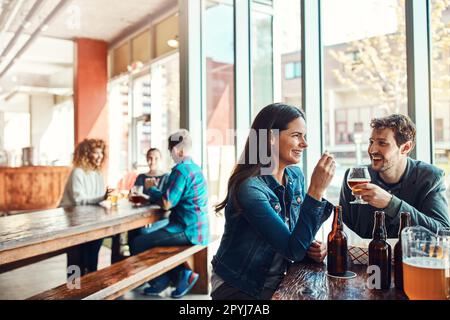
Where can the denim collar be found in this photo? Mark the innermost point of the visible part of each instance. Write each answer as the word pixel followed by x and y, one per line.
pixel 273 184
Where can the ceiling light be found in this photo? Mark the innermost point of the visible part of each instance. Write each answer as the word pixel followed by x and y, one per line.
pixel 173 43
pixel 44 28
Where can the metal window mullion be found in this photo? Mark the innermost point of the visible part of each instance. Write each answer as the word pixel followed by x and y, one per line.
pixel 418 71
pixel 192 106
pixel 312 82
pixel 243 71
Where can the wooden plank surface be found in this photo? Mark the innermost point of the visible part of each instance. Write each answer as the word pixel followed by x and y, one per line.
pixel 31 234
pixel 115 280
pixel 308 281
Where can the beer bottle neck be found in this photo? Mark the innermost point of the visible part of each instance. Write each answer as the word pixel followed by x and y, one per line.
pixel 379 230
pixel 337 219
pixel 405 221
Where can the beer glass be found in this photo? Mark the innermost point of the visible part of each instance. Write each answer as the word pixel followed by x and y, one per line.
pixel 426 264
pixel 358 175
pixel 114 198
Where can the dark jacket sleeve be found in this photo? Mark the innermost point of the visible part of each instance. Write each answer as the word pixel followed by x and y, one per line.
pixel 433 213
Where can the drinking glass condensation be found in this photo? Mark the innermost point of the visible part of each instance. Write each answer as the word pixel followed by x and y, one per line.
pixel 426 264
pixel 358 175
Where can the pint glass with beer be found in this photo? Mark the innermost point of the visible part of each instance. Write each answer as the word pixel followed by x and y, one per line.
pixel 426 264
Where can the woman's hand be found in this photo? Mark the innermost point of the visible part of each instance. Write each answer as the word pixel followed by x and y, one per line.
pixel 322 175
pixel 151 182
pixel 317 251
pixel 107 193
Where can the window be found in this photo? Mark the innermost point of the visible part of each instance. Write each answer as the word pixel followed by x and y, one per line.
pixel 440 84
pixel 364 75
pixel 262 55
pixel 142 108
pixel 277 44
pixel 165 93
pixel 220 92
pixel 292 70
pixel 119 129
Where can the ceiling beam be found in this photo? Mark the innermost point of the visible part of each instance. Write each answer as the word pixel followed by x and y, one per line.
pixel 9 17
pixel 33 11
pixel 62 4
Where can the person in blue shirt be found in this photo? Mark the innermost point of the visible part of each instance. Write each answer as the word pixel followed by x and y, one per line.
pixel 185 195
pixel 270 217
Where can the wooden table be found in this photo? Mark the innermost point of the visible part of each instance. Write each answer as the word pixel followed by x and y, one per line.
pixel 33 236
pixel 308 281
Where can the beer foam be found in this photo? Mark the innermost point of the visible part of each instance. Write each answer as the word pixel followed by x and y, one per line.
pixel 426 262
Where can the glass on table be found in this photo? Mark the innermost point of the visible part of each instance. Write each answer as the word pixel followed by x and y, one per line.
pixel 357 176
pixel 137 195
pixel 426 264
pixel 114 197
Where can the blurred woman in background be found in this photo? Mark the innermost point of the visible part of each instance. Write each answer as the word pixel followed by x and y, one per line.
pixel 86 186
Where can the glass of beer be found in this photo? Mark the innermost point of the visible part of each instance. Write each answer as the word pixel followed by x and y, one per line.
pixel 356 176
pixel 426 264
pixel 114 198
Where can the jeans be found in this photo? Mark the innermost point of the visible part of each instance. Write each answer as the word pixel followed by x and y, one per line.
pixel 132 234
pixel 160 238
pixel 85 256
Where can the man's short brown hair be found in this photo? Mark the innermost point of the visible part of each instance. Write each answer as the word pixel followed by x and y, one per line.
pixel 404 129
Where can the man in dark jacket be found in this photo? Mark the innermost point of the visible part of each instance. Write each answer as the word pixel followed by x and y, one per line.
pixel 398 184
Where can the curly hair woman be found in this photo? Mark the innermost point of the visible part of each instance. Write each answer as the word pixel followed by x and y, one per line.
pixel 85 186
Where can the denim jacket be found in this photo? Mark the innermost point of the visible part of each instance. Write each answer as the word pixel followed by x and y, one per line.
pixel 253 235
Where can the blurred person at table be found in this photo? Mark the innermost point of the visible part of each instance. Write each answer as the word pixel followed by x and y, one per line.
pixel 185 195
pixel 85 186
pixel 155 172
pixel 398 182
pixel 154 159
pixel 270 217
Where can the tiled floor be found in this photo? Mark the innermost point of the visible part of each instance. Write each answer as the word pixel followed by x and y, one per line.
pixel 33 279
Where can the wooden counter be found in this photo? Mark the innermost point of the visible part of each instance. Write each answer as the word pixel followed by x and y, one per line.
pixel 31 188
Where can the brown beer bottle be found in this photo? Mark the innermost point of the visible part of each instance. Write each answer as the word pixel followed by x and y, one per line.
pixel 405 221
pixel 380 250
pixel 337 246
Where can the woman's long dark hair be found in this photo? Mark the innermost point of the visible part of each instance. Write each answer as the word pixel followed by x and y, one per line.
pixel 275 116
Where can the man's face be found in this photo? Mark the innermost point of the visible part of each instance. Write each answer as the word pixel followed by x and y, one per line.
pixel 383 150
pixel 176 154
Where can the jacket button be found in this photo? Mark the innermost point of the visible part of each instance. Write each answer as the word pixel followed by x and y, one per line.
pixel 277 207
pixel 299 199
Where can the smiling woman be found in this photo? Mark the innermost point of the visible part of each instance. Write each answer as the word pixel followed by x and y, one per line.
pixel 270 218
pixel 85 186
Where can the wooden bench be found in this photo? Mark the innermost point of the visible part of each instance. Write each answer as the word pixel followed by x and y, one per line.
pixel 121 277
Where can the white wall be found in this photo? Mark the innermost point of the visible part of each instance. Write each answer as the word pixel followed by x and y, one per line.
pixel 41 116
